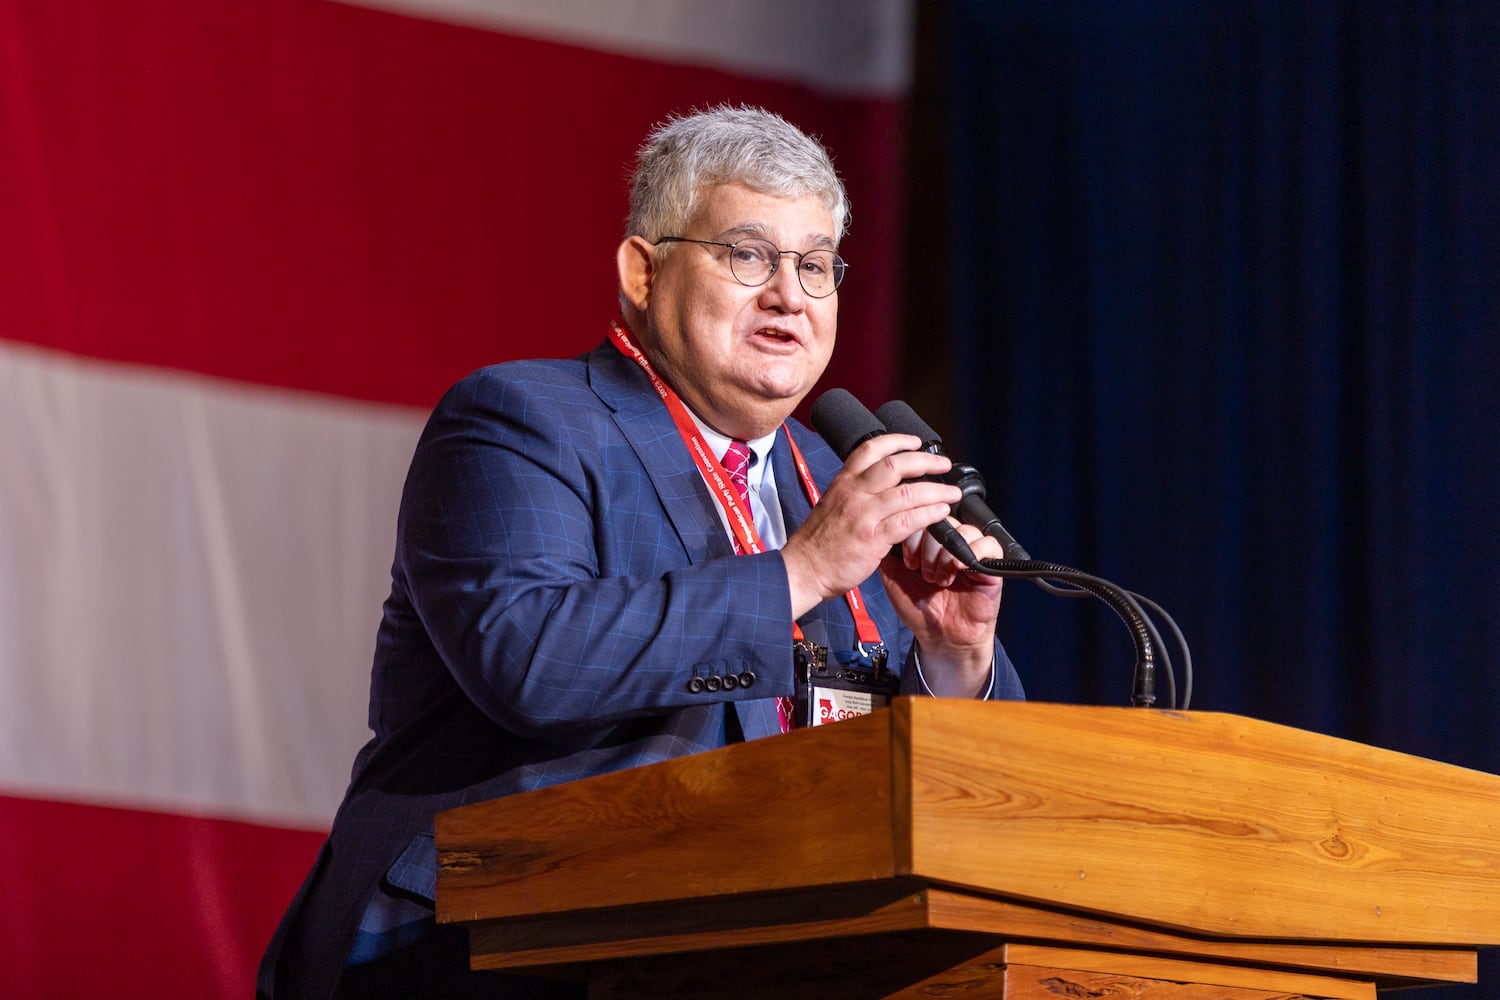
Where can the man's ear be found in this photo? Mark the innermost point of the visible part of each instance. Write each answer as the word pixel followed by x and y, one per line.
pixel 636 261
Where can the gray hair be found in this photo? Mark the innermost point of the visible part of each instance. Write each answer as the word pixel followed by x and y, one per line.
pixel 725 145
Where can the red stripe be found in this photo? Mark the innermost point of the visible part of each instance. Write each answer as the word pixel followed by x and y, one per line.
pixel 353 202
pixel 120 903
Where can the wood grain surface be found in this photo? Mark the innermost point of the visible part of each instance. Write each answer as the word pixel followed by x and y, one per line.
pixel 940 831
pixel 1205 822
pixel 792 811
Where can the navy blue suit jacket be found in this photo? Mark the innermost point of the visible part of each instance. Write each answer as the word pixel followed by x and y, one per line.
pixel 561 575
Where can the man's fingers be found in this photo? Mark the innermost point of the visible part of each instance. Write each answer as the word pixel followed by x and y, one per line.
pixel 891 458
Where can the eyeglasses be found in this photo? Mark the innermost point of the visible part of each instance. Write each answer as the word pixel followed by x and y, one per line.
pixel 754 261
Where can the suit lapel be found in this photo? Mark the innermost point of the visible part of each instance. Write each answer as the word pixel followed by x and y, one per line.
pixel 647 426
pixel 822 623
pixel 794 505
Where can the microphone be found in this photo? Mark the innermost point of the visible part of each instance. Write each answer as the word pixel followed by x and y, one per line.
pixel 972 510
pixel 844 421
pixel 845 424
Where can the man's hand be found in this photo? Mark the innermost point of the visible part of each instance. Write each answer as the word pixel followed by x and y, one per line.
pixel 875 504
pixel 951 612
pixel 872 505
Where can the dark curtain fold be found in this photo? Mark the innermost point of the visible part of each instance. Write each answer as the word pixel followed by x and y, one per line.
pixel 1209 294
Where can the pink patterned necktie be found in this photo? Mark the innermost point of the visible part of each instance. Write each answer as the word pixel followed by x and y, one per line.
pixel 736 462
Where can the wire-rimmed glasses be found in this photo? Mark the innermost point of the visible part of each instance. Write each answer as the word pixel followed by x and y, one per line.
pixel 754 261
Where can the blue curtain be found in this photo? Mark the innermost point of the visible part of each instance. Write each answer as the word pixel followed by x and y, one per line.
pixel 1210 293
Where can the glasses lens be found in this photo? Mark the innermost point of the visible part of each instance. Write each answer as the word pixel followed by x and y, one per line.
pixel 752 261
pixel 820 271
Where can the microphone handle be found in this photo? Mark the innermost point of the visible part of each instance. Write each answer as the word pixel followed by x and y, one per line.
pixel 947 534
pixel 973 510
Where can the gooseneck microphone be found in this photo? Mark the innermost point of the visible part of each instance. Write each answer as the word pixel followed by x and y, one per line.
pixel 845 424
pixel 972 509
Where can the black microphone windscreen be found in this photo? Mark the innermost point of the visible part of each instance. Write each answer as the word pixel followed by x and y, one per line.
pixel 844 421
pixel 899 418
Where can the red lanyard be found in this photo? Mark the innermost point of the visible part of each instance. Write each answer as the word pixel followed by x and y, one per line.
pixel 741 520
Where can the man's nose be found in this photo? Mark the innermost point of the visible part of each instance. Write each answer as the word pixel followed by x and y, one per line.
pixel 785 285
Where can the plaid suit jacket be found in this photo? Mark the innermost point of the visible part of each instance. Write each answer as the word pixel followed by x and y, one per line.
pixel 560 576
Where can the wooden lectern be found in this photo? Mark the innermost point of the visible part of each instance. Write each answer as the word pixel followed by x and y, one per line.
pixel 969 849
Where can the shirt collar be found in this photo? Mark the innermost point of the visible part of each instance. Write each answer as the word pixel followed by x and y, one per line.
pixel 760 447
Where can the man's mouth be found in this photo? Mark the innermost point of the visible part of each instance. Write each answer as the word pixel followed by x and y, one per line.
pixel 777 336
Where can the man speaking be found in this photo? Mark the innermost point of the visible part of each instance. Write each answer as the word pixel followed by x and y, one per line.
pixel 618 559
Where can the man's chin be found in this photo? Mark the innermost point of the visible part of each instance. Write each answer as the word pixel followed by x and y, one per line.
pixel 788 384
pixel 784 397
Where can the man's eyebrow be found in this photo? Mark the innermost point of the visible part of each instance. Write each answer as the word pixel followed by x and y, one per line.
pixel 821 241
pixel 743 231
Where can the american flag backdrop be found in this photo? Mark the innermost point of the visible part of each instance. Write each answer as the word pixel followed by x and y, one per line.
pixel 244 245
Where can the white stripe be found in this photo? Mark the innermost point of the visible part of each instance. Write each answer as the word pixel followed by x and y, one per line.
pixel 191 573
pixel 843 46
